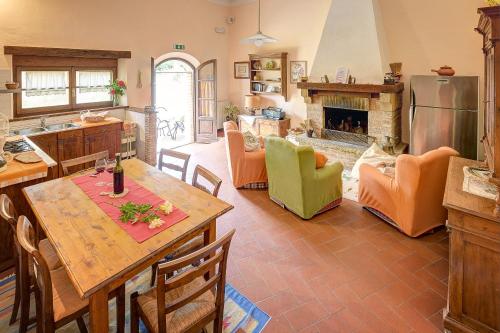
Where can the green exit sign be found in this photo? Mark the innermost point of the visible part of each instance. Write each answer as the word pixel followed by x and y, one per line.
pixel 179 46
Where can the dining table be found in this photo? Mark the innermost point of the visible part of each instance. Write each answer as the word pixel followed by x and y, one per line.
pixel 98 255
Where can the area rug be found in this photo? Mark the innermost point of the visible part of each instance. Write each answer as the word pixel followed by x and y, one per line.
pixel 240 314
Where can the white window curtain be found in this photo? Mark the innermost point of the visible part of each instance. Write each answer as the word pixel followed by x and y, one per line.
pixel 93 81
pixel 40 83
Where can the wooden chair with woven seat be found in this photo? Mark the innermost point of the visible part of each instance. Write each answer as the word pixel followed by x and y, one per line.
pixel 197 242
pixel 177 155
pixel 185 302
pixel 82 160
pixel 57 301
pixel 24 276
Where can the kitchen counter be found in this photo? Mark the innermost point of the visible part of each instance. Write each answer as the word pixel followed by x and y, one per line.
pixel 18 172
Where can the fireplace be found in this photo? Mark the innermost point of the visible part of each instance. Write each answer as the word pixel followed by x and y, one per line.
pixel 348 118
pixel 345 125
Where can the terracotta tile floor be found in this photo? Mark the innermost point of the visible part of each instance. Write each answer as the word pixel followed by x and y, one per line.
pixel 343 271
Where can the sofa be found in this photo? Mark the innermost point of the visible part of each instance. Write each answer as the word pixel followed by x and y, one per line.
pixel 411 199
pixel 296 184
pixel 246 169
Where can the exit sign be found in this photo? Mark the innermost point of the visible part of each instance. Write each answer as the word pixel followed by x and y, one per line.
pixel 179 46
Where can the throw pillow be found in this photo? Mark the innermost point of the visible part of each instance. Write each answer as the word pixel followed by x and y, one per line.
pixel 321 159
pixel 252 143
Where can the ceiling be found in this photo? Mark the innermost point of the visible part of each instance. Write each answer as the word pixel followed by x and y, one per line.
pixel 231 2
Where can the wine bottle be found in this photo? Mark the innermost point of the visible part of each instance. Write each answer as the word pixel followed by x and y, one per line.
pixel 118 183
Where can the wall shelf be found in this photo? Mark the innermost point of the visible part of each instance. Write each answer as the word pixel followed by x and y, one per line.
pixel 10 91
pixel 261 78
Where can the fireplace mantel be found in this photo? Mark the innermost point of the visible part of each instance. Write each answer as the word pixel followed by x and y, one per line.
pixel 314 88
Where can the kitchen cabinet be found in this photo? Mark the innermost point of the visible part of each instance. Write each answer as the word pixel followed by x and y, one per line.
pixel 48 143
pixel 103 138
pixel 69 146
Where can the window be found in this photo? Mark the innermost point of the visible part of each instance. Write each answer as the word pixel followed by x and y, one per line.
pixel 60 84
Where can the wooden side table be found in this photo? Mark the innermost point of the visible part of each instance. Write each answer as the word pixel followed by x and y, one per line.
pixel 264 126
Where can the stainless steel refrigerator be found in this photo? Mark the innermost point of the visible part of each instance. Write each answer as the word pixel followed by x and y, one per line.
pixel 444 112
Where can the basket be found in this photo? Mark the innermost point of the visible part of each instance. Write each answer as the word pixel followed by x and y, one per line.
pixel 11 85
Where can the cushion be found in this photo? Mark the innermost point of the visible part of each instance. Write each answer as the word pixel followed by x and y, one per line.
pixel 65 298
pixel 321 159
pixel 373 156
pixel 252 142
pixel 181 319
pixel 49 254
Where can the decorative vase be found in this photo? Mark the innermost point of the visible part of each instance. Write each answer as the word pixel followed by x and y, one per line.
pixel 444 71
pixel 116 100
pixel 310 133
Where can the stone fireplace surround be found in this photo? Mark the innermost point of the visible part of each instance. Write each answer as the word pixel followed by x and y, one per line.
pixel 381 102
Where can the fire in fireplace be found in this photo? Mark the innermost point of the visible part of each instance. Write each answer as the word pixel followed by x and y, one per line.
pixel 345 125
pixel 346 120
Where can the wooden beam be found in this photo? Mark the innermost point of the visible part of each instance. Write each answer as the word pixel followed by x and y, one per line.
pixel 355 88
pixel 59 52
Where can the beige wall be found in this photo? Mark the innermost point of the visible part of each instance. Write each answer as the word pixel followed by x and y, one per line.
pixel 422 34
pixel 147 28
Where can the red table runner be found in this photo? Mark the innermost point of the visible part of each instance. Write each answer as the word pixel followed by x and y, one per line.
pixel 93 186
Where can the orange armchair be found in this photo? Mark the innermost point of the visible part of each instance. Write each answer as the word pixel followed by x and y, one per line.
pixel 245 168
pixel 413 198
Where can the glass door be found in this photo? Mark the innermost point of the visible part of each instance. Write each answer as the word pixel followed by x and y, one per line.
pixel 206 102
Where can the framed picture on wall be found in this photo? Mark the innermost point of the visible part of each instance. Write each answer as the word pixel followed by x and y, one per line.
pixel 242 70
pixel 298 69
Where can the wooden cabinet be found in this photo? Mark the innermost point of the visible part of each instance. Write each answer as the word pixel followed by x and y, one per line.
pixel 48 143
pixel 264 127
pixel 474 280
pixel 103 138
pixel 69 146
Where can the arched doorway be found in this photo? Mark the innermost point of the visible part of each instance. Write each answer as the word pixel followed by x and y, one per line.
pixel 175 101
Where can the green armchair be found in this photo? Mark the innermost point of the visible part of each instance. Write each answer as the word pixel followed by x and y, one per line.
pixel 294 181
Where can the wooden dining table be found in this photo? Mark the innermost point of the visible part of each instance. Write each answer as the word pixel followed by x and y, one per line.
pixel 97 254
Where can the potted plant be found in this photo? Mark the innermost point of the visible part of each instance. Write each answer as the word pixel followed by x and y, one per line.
pixel 231 112
pixel 117 89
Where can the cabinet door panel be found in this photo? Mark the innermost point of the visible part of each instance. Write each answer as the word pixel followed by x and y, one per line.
pixel 69 146
pixel 48 143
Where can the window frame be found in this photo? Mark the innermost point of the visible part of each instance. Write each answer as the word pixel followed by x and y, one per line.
pixel 23 63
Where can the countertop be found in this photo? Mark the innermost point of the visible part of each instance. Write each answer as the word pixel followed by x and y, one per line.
pixel 456 198
pixel 18 172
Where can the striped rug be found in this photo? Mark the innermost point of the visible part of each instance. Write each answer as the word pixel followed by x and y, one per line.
pixel 240 314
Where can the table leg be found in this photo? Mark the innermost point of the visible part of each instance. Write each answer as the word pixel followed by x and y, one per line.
pixel 98 309
pixel 209 236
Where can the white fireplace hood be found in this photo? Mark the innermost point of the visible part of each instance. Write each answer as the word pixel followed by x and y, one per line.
pixel 353 37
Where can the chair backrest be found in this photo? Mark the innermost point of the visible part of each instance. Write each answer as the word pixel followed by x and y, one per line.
pixel 209 176
pixel 174 154
pixel 211 258
pixel 25 236
pixel 230 126
pixel 288 165
pixel 82 160
pixel 8 211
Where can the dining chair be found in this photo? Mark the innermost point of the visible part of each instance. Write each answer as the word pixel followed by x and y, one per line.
pixel 57 301
pixel 177 155
pixel 190 300
pixel 24 276
pixel 196 242
pixel 82 160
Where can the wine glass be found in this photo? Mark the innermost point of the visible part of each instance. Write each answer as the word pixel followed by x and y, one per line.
pixel 100 165
pixel 110 165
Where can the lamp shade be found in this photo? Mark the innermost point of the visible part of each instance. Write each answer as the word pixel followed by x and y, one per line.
pixel 252 101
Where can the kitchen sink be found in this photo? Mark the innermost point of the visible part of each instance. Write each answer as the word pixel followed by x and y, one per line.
pixel 48 128
pixel 29 131
pixel 58 127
